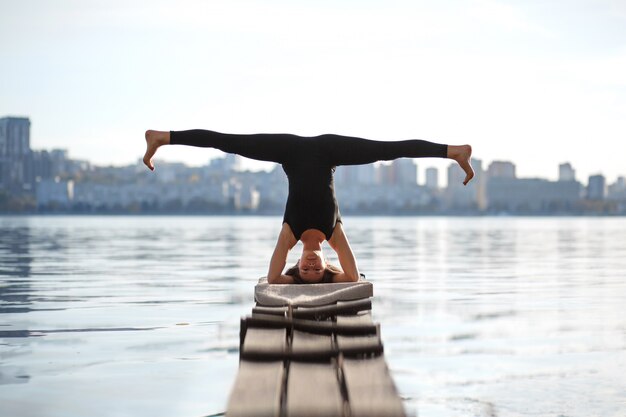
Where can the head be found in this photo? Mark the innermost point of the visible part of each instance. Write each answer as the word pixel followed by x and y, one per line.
pixel 312 268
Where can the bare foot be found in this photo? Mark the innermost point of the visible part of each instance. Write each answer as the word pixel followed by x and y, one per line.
pixel 154 139
pixel 462 154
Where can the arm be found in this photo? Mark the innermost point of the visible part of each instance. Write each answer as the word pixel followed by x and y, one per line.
pixel 339 242
pixel 286 241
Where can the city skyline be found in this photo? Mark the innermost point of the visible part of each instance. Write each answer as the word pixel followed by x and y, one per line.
pixel 539 84
pixel 43 181
pixel 421 164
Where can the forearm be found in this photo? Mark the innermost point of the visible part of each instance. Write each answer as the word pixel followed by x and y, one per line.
pixel 350 270
pixel 277 264
pixel 279 257
pixel 339 242
pixel 281 279
pixel 343 277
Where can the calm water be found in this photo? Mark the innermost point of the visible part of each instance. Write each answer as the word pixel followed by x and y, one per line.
pixel 139 316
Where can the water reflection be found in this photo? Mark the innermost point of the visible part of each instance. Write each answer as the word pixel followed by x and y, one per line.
pixel 14 253
pixel 15 291
pixel 480 316
pixel 15 263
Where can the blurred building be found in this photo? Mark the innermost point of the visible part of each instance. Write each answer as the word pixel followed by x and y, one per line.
pixel 404 171
pixel 470 197
pixel 228 163
pixel 348 175
pixel 384 174
pixel 501 169
pixel 50 180
pixel 15 155
pixel 55 163
pixel 384 199
pixel 531 195
pixel 273 188
pixel 54 193
pixel 596 188
pixel 246 198
pixel 14 136
pixel 42 165
pixel 432 178
pixel 617 193
pixel 566 172
pixel 617 190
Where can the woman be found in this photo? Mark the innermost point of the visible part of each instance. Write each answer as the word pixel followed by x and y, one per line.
pixel 312 213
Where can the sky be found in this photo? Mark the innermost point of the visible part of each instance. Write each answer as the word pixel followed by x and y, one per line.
pixel 534 82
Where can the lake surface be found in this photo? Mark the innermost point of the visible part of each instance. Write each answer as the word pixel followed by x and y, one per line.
pixel 139 316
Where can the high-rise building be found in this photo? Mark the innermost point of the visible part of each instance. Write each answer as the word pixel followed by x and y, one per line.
pixel 432 178
pixel 596 189
pixel 471 196
pixel 14 136
pixel 365 174
pixel 350 175
pixel 456 175
pixel 15 154
pixel 404 171
pixel 501 169
pixel 531 195
pixel 566 172
pixel 385 174
pixel 617 190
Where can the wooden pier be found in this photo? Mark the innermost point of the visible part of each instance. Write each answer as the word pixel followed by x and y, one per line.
pixel 312 350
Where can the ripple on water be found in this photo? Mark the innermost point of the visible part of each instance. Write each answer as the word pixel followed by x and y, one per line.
pixel 479 316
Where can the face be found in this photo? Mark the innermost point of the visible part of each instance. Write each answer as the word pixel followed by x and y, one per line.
pixel 311 266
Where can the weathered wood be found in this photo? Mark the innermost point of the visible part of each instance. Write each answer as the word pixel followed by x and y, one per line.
pixel 371 390
pixel 301 338
pixel 313 391
pixel 342 307
pixel 321 312
pixel 322 327
pixel 265 343
pixel 365 318
pixel 277 311
pixel 257 390
pixel 309 346
pixel 360 345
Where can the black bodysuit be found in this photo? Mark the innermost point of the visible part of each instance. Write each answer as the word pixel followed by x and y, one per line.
pixel 309 163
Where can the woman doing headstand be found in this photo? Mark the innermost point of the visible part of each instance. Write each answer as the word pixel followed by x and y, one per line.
pixel 311 213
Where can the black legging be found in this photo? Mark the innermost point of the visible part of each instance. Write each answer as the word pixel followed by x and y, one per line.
pixel 280 148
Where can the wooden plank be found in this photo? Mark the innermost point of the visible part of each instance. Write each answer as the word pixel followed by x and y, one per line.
pixel 371 391
pixel 341 307
pixel 310 346
pixel 311 326
pixel 360 345
pixel 313 391
pixel 356 319
pixel 264 343
pixel 277 311
pixel 257 390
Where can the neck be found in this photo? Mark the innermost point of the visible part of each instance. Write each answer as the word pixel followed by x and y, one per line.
pixel 311 242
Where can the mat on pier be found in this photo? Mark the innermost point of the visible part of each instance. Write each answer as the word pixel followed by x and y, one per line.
pixel 312 350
